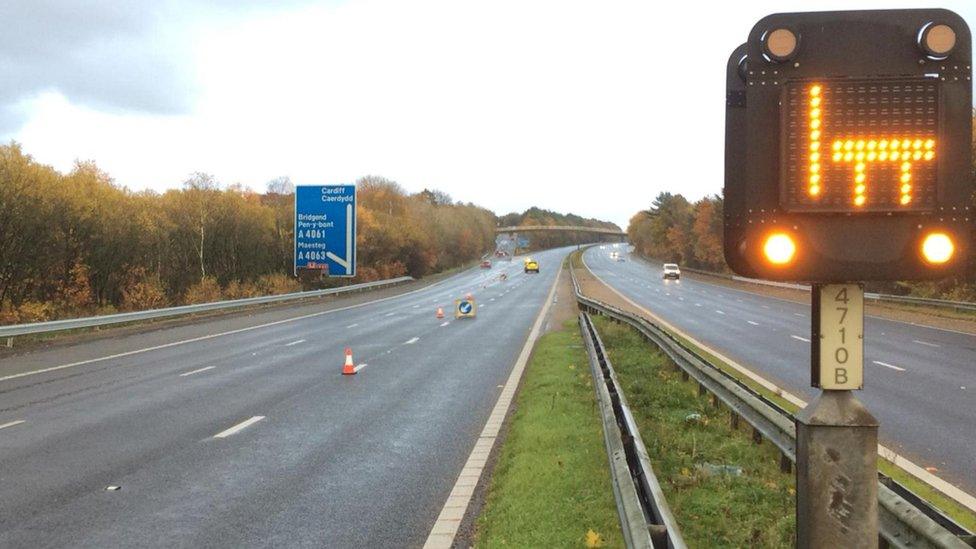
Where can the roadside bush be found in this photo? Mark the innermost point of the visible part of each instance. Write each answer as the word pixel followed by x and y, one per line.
pixel 276 284
pixel 35 311
pixel 143 291
pixel 205 291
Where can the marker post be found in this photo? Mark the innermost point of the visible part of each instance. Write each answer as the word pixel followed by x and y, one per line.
pixel 836 436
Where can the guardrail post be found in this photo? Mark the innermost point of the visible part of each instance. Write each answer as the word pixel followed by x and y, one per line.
pixel 836 473
pixel 10 342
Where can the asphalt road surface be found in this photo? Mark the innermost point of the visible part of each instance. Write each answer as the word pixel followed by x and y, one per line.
pixel 240 431
pixel 920 382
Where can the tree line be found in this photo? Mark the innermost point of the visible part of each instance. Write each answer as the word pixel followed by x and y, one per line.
pixel 78 243
pixel 691 233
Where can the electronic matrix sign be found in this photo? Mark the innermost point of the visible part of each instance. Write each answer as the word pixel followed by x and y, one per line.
pixel 848 147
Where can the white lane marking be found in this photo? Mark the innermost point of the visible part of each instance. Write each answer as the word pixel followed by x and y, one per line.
pixel 492 299
pixel 886 365
pixel 753 323
pixel 416 306
pixel 799 315
pixel 719 312
pixel 800 338
pixel 239 427
pixel 765 306
pixel 445 324
pixel 197 371
pixel 389 314
pixel 11 424
pixel 411 341
pixel 698 305
pixel 296 342
pixel 352 326
pixel 360 367
pixel 445 527
pixel 926 343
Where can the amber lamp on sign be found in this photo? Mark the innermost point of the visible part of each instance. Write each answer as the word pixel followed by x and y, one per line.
pixel 937 248
pixel 779 249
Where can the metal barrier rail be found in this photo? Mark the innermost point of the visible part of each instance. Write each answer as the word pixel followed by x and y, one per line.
pixel 645 518
pixel 880 298
pixel 16 330
pixel 904 519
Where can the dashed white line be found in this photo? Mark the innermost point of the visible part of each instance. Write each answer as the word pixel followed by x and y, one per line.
pixel 197 371
pixel 719 312
pixel 389 314
pixel 360 367
pixel 886 365
pixel 800 338
pixel 411 341
pixel 351 326
pixel 239 427
pixel 926 343
pixel 799 315
pixel 296 342
pixel 445 324
pixel 698 304
pixel 753 323
pixel 11 424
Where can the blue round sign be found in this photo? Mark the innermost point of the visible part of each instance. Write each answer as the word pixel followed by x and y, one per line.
pixel 464 307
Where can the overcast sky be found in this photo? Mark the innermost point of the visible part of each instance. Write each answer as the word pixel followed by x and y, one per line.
pixel 572 106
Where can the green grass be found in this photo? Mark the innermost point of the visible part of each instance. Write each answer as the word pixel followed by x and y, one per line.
pixel 755 509
pixel 551 485
pixel 947 505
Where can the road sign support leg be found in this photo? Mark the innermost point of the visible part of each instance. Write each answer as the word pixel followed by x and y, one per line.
pixel 836 473
pixel 836 436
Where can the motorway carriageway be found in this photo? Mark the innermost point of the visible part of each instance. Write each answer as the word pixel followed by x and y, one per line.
pixel 920 382
pixel 241 431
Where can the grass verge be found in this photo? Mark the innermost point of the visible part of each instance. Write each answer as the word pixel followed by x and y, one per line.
pixel 724 490
pixel 551 485
pixel 939 500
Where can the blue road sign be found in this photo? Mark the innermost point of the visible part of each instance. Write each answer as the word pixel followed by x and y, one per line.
pixel 325 228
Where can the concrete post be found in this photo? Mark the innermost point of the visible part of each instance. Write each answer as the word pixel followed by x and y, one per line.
pixel 836 473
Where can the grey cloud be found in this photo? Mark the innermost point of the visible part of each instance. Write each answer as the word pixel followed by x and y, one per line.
pixel 113 55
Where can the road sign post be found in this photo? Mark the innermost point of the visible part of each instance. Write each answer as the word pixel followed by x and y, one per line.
pixel 836 437
pixel 848 158
pixel 325 230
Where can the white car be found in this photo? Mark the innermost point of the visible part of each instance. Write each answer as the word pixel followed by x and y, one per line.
pixel 671 270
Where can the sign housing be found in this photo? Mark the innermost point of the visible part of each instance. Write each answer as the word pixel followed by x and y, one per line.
pixel 848 137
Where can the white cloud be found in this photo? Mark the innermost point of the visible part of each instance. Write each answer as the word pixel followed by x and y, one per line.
pixel 586 107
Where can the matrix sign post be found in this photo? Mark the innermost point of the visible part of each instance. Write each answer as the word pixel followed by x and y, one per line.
pixel 848 159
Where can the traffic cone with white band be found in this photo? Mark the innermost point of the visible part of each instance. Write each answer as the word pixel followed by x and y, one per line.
pixel 348 368
pixel 440 312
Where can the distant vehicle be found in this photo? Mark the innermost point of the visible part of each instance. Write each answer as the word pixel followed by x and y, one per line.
pixel 531 266
pixel 613 255
pixel 671 270
pixel 500 253
pixel 486 264
pixel 621 258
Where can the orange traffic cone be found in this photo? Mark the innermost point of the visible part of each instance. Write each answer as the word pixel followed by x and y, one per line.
pixel 440 312
pixel 348 368
pixel 469 296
